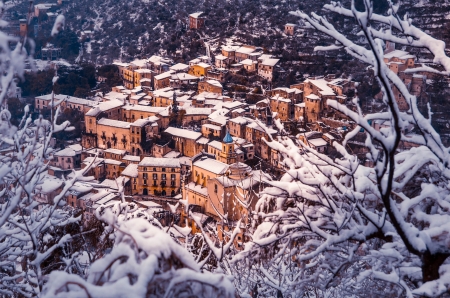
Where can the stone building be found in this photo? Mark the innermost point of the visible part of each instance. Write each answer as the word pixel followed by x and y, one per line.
pixel 67 102
pixel 132 137
pixel 212 86
pixel 283 101
pixel 186 141
pixel 68 158
pixel 289 29
pixel 159 176
pixel 196 20
pixel 256 133
pixel 162 80
pixel 244 52
pixel 266 68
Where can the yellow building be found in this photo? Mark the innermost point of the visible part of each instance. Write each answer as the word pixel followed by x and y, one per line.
pixel 200 69
pixel 159 176
pixel 195 191
pixel 132 137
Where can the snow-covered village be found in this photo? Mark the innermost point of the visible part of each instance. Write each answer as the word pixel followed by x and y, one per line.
pixel 225 148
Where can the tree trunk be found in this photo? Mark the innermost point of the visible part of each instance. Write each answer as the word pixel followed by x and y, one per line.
pixel 431 264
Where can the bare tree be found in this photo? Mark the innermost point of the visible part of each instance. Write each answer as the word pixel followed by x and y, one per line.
pixel 343 228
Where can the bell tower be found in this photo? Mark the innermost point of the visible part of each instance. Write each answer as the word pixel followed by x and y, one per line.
pixel 228 155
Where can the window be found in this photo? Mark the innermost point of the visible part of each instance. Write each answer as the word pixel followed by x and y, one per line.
pixel 145 182
pixel 163 176
pixel 172 183
pixel 172 177
pixel 145 169
pixel 163 169
pixel 155 176
pixel 154 169
pixel 155 183
pixel 215 188
pixel 173 170
pixel 145 176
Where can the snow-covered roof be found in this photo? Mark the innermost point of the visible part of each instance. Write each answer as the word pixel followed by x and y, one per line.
pixel 160 162
pixel 214 83
pixel 260 127
pixel 155 110
pixel 329 136
pixel 198 111
pixel 245 50
pixel 115 96
pixel 131 171
pixel 196 15
pixel 183 133
pixel 240 110
pixel 143 122
pixel 313 96
pixel 265 57
pixel 112 162
pixel 239 120
pixel 212 126
pixel 319 142
pixel 66 152
pixel 289 90
pixel 143 70
pixel 222 120
pixel 301 105
pixel 172 154
pixel 270 62
pixel 215 144
pixel 211 165
pixel 164 75
pixel 278 97
pixel 322 84
pixel 182 76
pixel 248 62
pixel 114 123
pixel 396 54
pixel 115 151
pixel 203 65
pixel 67 98
pixel 202 141
pixel 179 66
pixel 49 184
pixel 197 189
pixel 139 62
pixel 104 106
pixel 292 25
pixel 221 57
pixel 230 48
pixel 131 158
